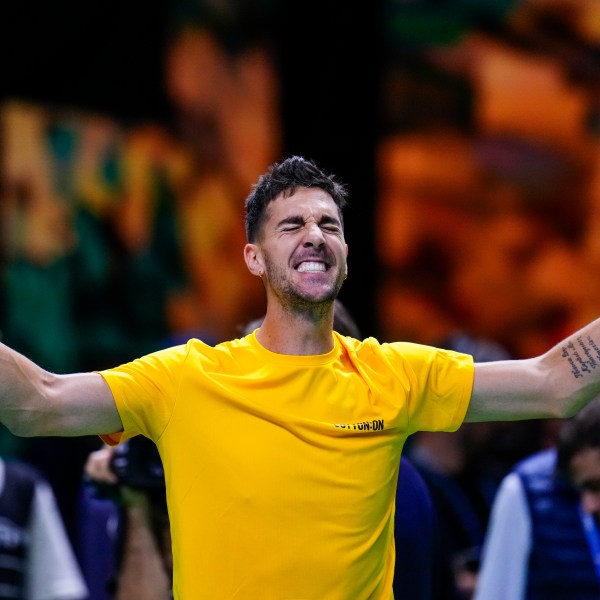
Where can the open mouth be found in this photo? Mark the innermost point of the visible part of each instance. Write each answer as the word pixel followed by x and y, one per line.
pixel 311 267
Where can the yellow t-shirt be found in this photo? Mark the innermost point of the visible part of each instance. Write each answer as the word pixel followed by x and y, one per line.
pixel 281 470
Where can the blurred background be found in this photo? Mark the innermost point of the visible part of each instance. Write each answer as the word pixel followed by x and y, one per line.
pixel 468 132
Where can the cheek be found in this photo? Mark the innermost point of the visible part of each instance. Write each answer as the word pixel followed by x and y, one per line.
pixel 271 265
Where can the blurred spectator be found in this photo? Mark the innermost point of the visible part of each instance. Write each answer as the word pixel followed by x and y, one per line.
pixel 37 560
pixel 441 461
pixel 543 539
pixel 414 532
pixel 130 477
pixel 459 483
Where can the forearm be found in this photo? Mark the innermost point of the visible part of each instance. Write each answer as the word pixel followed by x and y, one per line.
pixel 554 385
pixel 575 363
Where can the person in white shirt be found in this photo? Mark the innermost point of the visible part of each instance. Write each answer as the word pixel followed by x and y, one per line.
pixel 37 559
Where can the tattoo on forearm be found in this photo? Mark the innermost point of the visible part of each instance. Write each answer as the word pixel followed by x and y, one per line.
pixel 582 354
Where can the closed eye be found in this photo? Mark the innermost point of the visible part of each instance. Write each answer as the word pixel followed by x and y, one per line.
pixel 291 224
pixel 327 224
pixel 330 224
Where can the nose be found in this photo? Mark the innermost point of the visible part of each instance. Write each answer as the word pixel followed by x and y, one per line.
pixel 591 502
pixel 314 236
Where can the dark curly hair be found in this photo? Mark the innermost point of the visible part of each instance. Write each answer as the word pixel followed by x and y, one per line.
pixel 579 433
pixel 284 178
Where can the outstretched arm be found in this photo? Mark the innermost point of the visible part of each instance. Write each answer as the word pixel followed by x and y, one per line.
pixel 554 385
pixel 36 402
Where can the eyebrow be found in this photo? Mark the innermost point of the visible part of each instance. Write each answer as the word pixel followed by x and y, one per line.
pixel 298 220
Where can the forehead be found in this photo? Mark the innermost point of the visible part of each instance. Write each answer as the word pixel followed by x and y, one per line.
pixel 304 202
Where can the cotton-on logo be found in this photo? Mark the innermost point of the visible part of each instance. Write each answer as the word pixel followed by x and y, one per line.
pixel 374 425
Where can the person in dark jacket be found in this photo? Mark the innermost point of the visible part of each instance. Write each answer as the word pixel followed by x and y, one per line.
pixel 543 540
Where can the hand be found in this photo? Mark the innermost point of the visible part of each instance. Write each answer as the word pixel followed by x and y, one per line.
pixel 98 466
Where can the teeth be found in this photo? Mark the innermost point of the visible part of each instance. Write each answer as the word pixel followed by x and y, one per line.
pixel 311 266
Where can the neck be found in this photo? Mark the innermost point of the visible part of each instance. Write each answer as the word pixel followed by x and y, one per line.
pixel 299 334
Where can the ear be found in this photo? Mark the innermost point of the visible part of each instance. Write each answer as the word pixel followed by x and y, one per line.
pixel 253 260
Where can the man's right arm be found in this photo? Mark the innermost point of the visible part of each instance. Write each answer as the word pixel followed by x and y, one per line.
pixel 36 402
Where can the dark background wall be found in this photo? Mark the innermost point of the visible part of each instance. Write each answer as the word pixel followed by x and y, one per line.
pixel 330 83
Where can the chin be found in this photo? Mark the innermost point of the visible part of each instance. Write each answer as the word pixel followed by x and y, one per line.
pixel 313 294
pixel 306 297
pixel 325 296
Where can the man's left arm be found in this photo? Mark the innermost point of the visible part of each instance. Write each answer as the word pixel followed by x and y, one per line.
pixel 553 385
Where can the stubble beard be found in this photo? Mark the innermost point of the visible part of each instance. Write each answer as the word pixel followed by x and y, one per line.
pixel 293 297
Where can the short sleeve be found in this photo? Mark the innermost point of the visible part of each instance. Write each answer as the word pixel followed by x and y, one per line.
pixel 438 385
pixel 145 391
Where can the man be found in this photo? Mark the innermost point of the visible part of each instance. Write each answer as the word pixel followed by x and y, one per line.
pixel 414 522
pixel 543 539
pixel 281 449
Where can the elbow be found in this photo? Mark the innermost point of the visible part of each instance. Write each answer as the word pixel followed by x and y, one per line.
pixel 17 427
pixel 24 425
pixel 32 416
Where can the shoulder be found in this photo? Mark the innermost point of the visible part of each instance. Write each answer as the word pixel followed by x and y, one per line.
pixel 402 352
pixel 510 489
pixel 540 463
pixel 374 346
pixel 510 504
pixel 193 349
